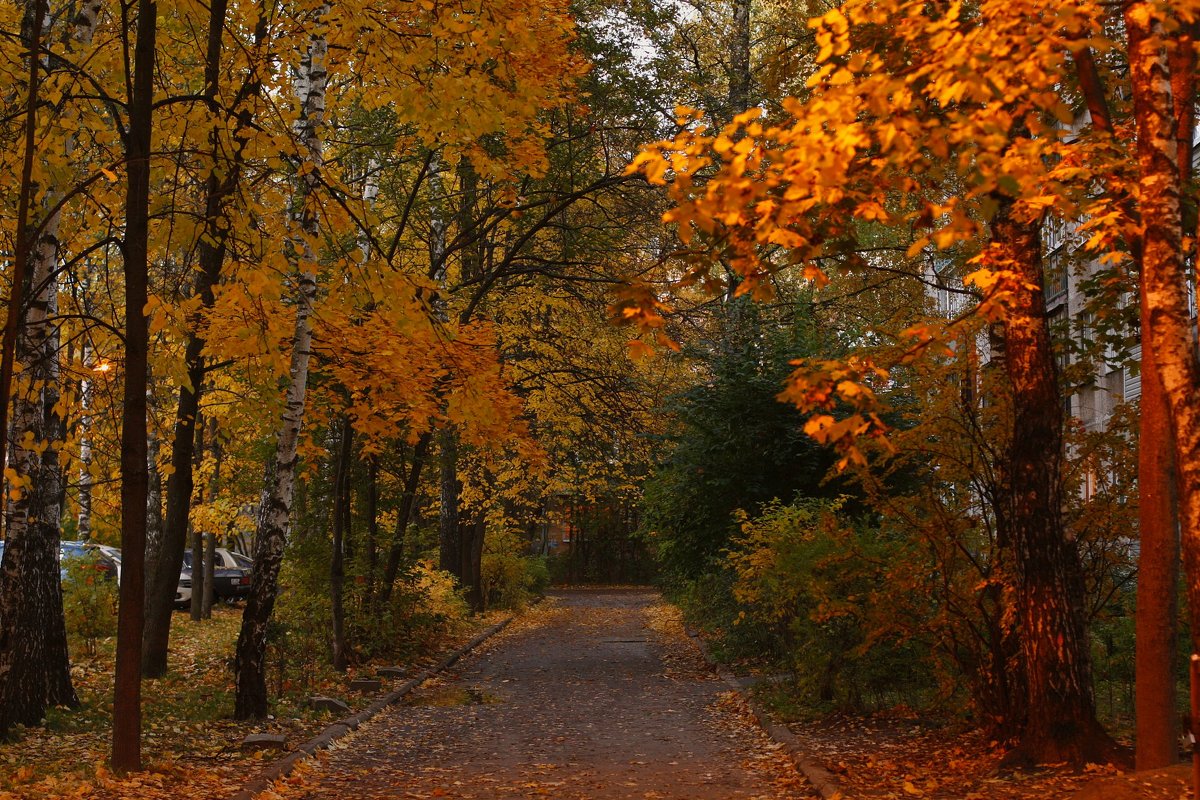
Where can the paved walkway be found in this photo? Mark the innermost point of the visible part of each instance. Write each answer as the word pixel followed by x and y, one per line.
pixel 594 694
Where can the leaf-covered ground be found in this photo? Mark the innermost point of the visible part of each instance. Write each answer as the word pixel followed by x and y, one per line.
pixel 191 743
pixel 899 755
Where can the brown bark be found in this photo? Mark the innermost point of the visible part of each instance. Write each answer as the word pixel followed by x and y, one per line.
pixel 208 589
pixel 372 543
pixel 127 696
pixel 196 602
pixel 408 503
pixel 739 59
pixel 1158 573
pixel 1049 592
pixel 1158 521
pixel 450 557
pixel 337 568
pixel 471 546
pixel 221 187
pixel 1168 328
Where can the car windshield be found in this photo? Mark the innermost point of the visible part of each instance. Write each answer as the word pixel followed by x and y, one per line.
pixel 72 550
pixel 242 561
pixel 187 559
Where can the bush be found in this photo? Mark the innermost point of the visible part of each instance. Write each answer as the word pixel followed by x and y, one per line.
pixel 708 604
pixel 510 578
pixel 89 602
pixel 824 588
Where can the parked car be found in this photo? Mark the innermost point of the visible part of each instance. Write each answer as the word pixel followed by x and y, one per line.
pixel 108 565
pixel 231 575
pixel 183 591
pixel 113 555
pixel 107 560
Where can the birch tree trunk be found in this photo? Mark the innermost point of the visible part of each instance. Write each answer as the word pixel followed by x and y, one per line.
pixel 34 662
pixel 154 511
pixel 83 523
pixel 276 505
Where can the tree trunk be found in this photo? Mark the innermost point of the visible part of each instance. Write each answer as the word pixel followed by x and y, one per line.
pixel 1169 332
pixel 221 187
pixel 209 595
pixel 154 515
pixel 83 525
pixel 372 543
pixel 1158 573
pixel 35 669
pixel 450 555
pixel 739 59
pixel 404 515
pixel 196 602
pixel 127 698
pixel 276 505
pixel 1158 520
pixel 1061 723
pixel 33 20
pixel 337 567
pixel 471 547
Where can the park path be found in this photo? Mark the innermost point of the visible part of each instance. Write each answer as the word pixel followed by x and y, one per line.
pixel 594 694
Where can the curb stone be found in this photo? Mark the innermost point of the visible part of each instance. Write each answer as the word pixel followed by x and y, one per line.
pixel 822 779
pixel 336 730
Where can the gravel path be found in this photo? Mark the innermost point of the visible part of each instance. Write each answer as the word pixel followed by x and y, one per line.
pixel 595 694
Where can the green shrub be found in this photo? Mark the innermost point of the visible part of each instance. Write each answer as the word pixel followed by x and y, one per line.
pixel 510 577
pixel 833 594
pixel 89 602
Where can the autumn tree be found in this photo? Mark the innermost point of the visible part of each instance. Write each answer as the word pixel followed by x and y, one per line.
pixel 34 666
pixel 1163 94
pixel 948 144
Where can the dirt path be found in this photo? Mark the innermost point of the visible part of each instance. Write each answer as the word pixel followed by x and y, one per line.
pixel 596 694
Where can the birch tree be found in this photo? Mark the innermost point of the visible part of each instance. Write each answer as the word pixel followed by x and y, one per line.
pixel 276 504
pixel 34 663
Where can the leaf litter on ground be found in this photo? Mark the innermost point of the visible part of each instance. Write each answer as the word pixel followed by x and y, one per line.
pixel 191 744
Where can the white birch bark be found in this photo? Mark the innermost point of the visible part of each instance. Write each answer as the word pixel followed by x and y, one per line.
pixel 276 505
pixel 83 525
pixel 34 663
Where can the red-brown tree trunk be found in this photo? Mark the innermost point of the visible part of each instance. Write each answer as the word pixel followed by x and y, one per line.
pixel 1158 573
pixel 127 693
pixel 1168 327
pixel 1158 518
pixel 1061 723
